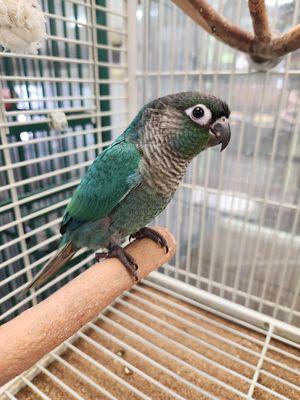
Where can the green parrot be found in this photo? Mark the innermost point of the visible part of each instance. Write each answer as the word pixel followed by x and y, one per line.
pixel 134 179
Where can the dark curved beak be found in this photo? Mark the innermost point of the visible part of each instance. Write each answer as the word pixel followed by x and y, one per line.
pixel 219 133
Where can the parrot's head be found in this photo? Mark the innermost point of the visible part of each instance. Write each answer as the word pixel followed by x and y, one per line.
pixel 191 121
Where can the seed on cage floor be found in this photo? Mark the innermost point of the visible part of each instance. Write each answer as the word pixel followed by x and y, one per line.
pixel 120 353
pixel 128 371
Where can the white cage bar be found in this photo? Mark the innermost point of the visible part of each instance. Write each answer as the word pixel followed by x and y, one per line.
pixel 221 320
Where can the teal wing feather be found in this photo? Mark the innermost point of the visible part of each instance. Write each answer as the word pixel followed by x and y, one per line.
pixel 113 174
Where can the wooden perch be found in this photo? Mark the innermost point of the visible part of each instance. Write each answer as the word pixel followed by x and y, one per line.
pixel 37 331
pixel 260 20
pixel 261 45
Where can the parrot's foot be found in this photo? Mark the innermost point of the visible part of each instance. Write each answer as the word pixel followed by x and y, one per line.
pixel 126 259
pixel 150 234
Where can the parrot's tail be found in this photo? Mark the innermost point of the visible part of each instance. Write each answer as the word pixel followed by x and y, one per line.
pixel 63 255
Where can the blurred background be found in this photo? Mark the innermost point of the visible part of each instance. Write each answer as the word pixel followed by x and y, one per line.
pixel 235 216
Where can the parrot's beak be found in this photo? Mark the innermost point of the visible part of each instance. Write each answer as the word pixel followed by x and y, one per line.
pixel 219 132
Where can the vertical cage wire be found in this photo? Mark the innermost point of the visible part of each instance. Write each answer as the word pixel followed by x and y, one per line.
pixel 243 205
pixel 81 70
pixel 87 70
pixel 235 216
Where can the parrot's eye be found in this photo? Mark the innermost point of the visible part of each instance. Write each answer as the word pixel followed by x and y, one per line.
pixel 200 114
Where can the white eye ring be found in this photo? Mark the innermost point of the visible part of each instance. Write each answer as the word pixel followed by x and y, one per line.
pixel 204 120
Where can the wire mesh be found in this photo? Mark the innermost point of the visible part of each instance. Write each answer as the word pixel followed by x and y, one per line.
pixel 235 215
pixel 155 343
pixel 248 196
pixel 80 71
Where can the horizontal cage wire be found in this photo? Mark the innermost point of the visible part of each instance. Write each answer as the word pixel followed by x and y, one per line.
pixel 220 321
pixel 154 343
pixel 81 71
pixel 250 202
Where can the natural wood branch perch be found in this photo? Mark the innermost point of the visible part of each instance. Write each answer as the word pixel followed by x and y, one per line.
pixel 37 331
pixel 261 46
pixel 289 41
pixel 260 20
pixel 202 13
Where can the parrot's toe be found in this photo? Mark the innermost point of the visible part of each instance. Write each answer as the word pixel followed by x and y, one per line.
pixel 126 259
pixel 150 234
pixel 101 256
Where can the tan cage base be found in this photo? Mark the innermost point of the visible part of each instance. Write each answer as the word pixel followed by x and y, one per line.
pixel 156 344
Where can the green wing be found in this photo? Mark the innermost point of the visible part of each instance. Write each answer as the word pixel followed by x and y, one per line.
pixel 113 174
